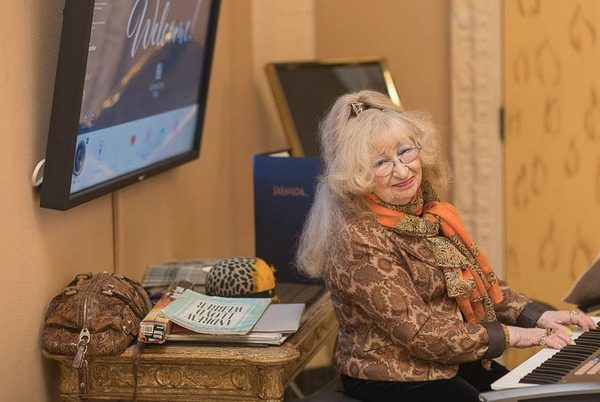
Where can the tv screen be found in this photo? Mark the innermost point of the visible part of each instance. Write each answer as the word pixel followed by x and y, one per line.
pixel 304 92
pixel 130 94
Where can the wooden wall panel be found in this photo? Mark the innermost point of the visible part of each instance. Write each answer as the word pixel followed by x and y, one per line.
pixel 552 155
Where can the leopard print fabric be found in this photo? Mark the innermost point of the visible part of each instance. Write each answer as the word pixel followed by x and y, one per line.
pixel 231 277
pixel 396 321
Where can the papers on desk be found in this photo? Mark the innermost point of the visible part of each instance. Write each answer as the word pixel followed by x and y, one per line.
pixel 276 324
pixel 167 273
pixel 585 293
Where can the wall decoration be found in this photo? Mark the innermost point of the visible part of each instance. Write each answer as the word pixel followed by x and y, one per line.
pixel 591 122
pixel 547 64
pixel 582 33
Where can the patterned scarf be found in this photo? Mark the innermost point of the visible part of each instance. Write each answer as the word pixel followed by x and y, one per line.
pixel 469 278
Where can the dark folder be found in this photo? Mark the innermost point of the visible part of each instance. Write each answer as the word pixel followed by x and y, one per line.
pixel 284 188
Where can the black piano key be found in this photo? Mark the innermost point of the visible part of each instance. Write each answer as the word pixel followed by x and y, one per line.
pixel 572 353
pixel 556 363
pixel 583 349
pixel 547 372
pixel 558 366
pixel 558 374
pixel 587 342
pixel 541 376
pixel 533 379
pixel 577 349
pixel 589 335
pixel 583 353
pixel 582 343
pixel 561 372
pixel 570 358
pixel 564 361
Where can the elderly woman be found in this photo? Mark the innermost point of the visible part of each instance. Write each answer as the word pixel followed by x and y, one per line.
pixel 421 313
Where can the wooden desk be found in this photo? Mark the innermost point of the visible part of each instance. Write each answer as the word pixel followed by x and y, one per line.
pixel 186 372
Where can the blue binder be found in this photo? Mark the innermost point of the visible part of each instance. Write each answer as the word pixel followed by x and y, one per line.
pixel 284 189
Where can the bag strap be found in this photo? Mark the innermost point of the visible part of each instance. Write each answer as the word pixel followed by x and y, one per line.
pixel 135 368
pixel 82 384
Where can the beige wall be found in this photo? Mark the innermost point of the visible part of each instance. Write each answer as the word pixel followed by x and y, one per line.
pixel 40 250
pixel 411 34
pixel 281 31
pixel 201 209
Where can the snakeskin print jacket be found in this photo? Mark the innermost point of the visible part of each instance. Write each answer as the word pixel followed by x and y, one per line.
pixel 396 321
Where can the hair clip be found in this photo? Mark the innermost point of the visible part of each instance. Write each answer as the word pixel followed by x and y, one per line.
pixel 358 108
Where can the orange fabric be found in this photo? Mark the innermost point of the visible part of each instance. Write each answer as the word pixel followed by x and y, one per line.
pixel 451 227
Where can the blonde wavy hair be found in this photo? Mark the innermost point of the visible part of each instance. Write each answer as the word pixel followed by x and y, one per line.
pixel 349 145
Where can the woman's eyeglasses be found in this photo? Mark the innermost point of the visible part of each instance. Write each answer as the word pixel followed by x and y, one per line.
pixel 385 167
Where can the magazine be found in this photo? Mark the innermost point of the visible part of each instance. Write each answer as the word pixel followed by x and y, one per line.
pixel 276 324
pixel 216 315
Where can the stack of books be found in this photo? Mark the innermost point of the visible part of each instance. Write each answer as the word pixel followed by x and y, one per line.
pixel 185 315
pixel 155 327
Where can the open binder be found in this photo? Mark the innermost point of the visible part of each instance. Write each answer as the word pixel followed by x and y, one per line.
pixel 585 293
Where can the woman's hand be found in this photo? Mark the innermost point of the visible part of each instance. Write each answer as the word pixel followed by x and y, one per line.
pixel 526 337
pixel 559 319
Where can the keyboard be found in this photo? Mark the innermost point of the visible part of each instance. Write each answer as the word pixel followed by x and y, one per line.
pixel 573 363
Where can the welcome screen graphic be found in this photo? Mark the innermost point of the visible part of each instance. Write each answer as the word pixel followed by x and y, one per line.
pixel 140 97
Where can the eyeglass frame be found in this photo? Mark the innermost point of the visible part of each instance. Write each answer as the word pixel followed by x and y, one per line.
pixel 398 159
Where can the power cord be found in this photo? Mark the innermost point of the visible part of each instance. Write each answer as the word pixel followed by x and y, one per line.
pixel 36 177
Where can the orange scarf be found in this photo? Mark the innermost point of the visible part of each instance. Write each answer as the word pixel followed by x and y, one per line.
pixel 469 278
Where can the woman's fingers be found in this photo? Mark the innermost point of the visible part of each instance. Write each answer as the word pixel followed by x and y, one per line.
pixel 584 321
pixel 558 320
pixel 561 328
pixel 559 340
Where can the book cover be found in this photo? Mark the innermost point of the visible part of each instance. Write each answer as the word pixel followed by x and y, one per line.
pixel 215 315
pixel 155 326
pixel 283 193
pixel 281 317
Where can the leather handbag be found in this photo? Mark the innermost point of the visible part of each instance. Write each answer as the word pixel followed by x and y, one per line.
pixel 95 315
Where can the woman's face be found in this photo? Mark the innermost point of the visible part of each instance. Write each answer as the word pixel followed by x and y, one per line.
pixel 396 182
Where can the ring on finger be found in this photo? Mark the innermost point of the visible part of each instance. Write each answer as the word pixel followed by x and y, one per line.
pixel 549 332
pixel 573 313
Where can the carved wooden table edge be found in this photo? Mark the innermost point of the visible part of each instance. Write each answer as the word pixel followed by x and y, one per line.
pixel 200 372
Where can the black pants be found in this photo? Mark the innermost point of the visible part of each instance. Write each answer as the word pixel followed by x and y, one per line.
pixel 471 379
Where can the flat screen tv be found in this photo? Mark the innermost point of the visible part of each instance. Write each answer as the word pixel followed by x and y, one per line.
pixel 304 91
pixel 130 94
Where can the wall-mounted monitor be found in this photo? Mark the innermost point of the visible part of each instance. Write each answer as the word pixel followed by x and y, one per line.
pixel 304 92
pixel 130 94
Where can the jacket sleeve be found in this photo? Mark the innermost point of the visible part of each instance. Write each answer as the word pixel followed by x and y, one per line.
pixel 376 281
pixel 517 309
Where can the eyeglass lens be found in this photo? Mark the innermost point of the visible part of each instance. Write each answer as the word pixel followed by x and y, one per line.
pixel 385 168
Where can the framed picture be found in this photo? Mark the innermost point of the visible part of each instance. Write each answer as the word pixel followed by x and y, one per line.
pixel 305 90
